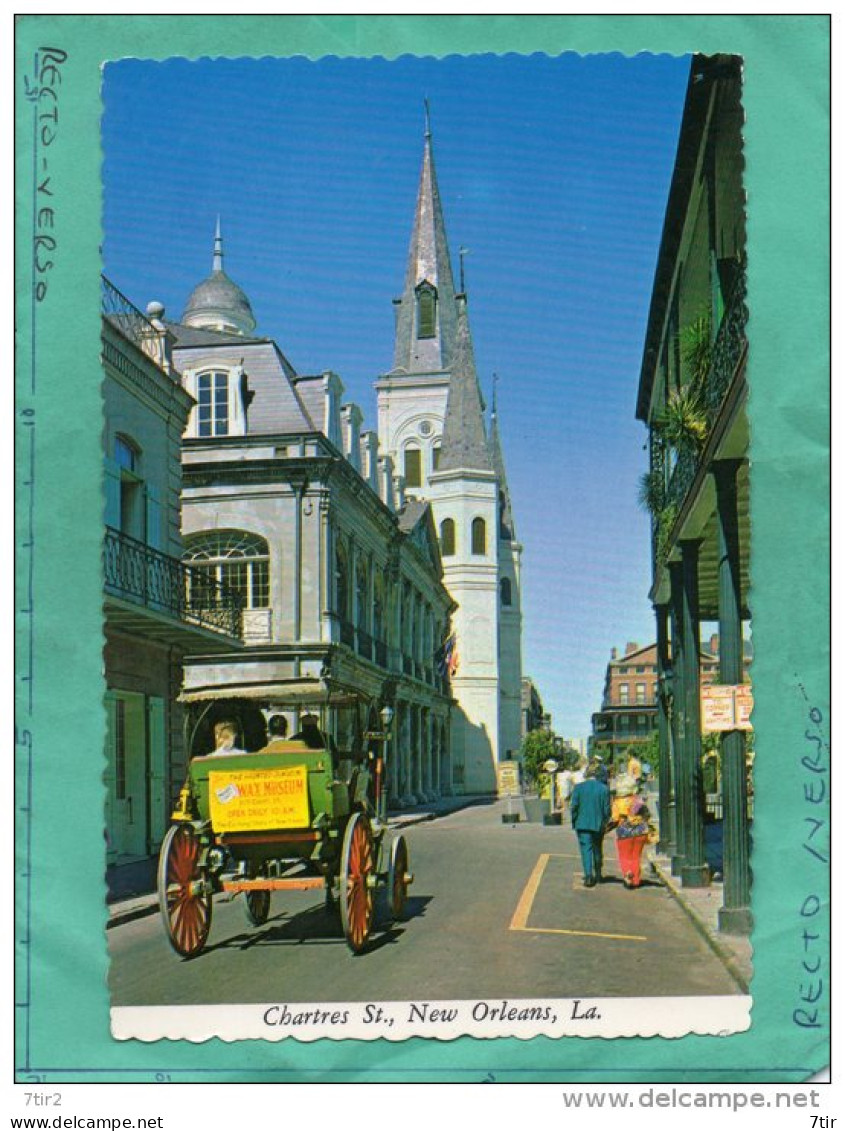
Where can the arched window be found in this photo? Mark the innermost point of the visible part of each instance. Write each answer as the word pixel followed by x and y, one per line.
pixel 412 466
pixel 479 536
pixel 233 558
pixel 426 311
pixel 435 455
pixel 447 537
pixel 505 591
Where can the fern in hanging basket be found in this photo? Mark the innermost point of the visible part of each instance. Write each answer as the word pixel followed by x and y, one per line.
pixel 652 493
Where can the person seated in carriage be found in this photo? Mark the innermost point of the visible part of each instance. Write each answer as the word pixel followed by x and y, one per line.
pixel 277 734
pixel 310 733
pixel 226 738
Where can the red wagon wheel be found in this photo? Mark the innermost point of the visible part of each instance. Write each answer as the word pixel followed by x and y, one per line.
pixel 183 895
pixel 356 892
pixel 398 876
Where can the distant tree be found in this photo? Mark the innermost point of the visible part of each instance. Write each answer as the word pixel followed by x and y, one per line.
pixel 538 747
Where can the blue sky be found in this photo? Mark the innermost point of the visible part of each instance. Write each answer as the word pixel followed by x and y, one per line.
pixel 554 173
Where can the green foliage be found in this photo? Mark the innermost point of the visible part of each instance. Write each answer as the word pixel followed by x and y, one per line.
pixel 665 522
pixel 682 422
pixel 537 747
pixel 651 492
pixel 697 350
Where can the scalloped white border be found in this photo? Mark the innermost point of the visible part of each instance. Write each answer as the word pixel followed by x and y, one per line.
pixel 441 1020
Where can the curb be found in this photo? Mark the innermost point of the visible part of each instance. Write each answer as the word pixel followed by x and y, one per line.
pixel 719 949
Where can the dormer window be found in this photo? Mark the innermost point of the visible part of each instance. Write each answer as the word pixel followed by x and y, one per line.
pixel 426 310
pixel 220 408
pixel 213 404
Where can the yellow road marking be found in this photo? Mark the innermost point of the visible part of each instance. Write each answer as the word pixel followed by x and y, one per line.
pixel 526 900
pixel 523 908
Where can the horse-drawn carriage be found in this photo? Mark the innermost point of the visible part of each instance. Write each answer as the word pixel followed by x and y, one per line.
pixel 291 816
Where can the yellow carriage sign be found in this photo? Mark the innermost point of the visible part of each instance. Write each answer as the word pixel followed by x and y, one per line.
pixel 253 800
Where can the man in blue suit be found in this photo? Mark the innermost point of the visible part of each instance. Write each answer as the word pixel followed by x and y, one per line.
pixel 590 809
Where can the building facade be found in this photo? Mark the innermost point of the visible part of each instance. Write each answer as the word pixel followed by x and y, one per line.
pixel 692 397
pixel 629 709
pixel 289 502
pixel 154 615
pixel 432 427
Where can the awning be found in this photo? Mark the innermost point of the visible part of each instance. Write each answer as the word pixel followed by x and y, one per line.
pixel 293 693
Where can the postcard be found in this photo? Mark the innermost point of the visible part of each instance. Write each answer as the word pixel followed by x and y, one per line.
pixel 433 493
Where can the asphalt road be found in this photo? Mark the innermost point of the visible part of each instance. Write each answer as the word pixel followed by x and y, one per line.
pixel 495 911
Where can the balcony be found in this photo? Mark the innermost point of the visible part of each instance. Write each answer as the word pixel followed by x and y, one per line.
pixel 725 363
pixel 159 596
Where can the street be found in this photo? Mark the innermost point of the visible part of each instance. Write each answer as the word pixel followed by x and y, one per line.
pixel 495 910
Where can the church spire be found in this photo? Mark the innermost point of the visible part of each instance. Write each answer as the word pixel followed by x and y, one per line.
pixel 426 319
pixel 464 444
pixel 505 513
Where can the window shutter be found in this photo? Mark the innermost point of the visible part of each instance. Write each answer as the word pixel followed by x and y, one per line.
pixel 189 382
pixel 155 533
pixel 237 413
pixel 112 477
pixel 157 737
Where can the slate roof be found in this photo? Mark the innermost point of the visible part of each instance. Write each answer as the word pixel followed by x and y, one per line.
pixel 464 443
pixel 428 260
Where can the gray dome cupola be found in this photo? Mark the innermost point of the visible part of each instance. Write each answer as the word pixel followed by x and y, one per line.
pixel 217 303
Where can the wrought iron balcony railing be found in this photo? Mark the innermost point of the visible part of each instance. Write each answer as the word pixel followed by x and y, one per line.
pixel 124 315
pixel 726 356
pixel 136 572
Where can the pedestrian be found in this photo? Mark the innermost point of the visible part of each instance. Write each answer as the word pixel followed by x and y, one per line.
pixel 634 768
pixel 630 817
pixel 590 812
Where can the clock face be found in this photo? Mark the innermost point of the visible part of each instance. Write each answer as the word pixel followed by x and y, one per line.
pixel 425 428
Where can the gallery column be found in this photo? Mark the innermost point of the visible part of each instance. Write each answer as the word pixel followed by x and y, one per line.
pixel 676 720
pixel 735 914
pixel 694 872
pixel 665 800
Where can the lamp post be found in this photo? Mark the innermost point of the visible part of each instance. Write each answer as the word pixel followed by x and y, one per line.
pixel 553 817
pixel 386 716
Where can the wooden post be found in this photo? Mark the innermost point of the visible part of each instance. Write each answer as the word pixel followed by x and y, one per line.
pixel 735 914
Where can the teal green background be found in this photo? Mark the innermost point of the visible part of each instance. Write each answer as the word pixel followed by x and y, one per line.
pixel 62 1018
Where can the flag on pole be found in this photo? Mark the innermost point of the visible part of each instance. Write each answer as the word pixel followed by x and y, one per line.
pixel 447 657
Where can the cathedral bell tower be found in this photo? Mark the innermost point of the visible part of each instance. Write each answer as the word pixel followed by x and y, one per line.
pixel 431 422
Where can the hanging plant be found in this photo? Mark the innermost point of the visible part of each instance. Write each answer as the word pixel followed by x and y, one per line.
pixel 682 422
pixel 696 347
pixel 652 494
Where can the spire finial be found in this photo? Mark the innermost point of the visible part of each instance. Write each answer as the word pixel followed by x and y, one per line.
pixel 427 119
pixel 217 260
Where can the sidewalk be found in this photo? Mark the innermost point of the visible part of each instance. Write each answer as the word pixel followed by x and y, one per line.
pixel 132 887
pixel 702 906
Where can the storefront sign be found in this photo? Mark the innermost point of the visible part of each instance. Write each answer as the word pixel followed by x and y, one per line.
pixel 725 707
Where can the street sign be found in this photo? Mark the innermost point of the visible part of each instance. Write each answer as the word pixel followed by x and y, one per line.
pixel 725 706
pixel 508 779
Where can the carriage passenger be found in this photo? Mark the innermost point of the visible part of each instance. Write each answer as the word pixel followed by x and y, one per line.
pixel 226 738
